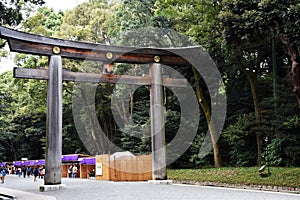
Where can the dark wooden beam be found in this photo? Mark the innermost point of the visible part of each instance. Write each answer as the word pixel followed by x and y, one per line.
pixel 40 45
pixel 96 78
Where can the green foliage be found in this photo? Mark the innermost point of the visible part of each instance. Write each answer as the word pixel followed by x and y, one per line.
pixel 194 153
pixel 240 138
pixel 87 22
pixel 237 34
pixel 71 143
pixel 273 153
pixel 289 137
pixel 135 134
pixel 6 100
pixel 21 129
pixel 46 22
pixel 243 21
pixel 11 10
pixel 131 15
pixel 135 140
pixel 196 19
pixel 293 122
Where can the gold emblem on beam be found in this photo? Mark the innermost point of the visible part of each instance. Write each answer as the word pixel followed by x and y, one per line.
pixel 56 50
pixel 156 59
pixel 109 55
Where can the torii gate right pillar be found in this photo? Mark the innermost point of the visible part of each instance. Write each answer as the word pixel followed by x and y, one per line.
pixel 157 124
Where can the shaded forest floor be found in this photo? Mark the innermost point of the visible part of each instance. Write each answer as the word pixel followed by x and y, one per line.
pixel 283 178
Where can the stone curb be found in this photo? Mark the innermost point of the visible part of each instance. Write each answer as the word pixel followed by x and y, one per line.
pixel 160 182
pixel 242 186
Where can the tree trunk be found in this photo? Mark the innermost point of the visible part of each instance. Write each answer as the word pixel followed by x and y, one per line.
pixel 295 75
pixel 131 104
pixel 293 51
pixel 125 114
pixel 295 71
pixel 97 139
pixel 212 130
pixel 207 113
pixel 253 83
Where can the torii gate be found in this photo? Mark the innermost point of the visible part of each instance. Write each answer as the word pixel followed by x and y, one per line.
pixel 57 48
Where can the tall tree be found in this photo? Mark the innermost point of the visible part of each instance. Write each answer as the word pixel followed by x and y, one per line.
pixel 196 19
pixel 247 29
pixel 88 22
pixel 283 17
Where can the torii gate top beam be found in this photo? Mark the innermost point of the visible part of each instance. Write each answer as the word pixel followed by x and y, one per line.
pixel 40 45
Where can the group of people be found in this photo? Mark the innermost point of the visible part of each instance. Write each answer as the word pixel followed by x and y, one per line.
pixel 72 171
pixel 29 171
pixel 37 172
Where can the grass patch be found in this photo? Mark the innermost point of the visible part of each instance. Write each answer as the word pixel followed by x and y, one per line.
pixel 284 177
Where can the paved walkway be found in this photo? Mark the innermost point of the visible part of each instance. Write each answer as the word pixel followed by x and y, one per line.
pixel 106 190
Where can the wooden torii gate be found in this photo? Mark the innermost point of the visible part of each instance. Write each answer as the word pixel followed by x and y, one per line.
pixel 57 48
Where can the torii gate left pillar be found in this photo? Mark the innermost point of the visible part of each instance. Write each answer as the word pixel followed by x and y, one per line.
pixel 54 123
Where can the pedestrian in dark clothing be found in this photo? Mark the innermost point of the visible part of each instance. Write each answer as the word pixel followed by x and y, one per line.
pixel 35 174
pixel 28 171
pixel 24 171
pixel 41 172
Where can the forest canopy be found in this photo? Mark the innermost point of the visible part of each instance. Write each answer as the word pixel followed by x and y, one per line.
pixel 255 46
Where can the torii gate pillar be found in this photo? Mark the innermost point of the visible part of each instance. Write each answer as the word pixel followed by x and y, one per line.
pixel 54 123
pixel 157 124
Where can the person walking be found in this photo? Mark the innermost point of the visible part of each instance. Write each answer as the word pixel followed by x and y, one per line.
pixel 74 171
pixel 3 174
pixel 70 171
pixel 41 172
pixel 35 174
pixel 29 171
pixel 24 171
pixel 19 172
